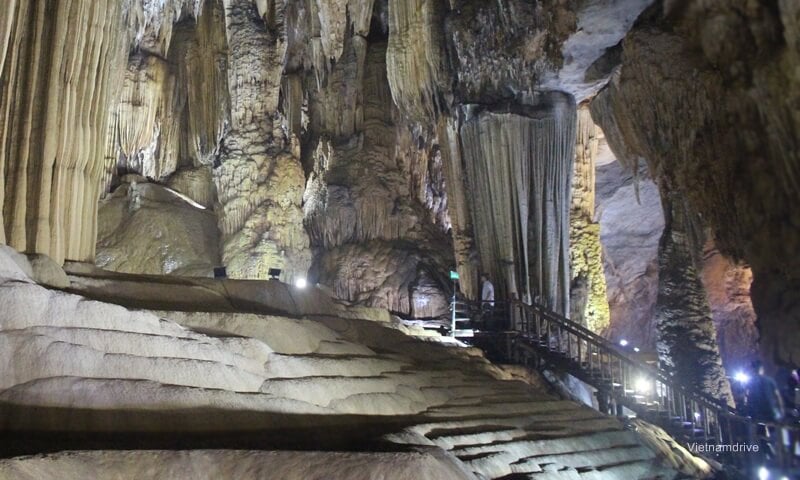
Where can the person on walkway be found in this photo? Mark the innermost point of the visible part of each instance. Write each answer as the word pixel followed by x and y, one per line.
pixel 487 301
pixel 763 399
pixel 764 404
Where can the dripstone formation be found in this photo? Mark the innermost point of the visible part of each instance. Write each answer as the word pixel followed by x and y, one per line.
pixel 371 146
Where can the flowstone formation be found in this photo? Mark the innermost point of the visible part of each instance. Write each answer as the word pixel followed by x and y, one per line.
pixel 235 392
pixel 54 97
pixel 147 228
pixel 588 300
pixel 377 225
pixel 519 160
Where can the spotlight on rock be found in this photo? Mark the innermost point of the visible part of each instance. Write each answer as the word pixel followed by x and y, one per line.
pixel 763 473
pixel 636 349
pixel 643 385
pixel 274 273
pixel 300 283
pixel 741 377
pixel 623 342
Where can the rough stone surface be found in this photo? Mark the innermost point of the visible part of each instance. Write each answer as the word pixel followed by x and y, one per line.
pixel 631 221
pixel 588 301
pixel 230 378
pixel 45 271
pixel 706 94
pixel 728 287
pixel 146 228
pixel 243 464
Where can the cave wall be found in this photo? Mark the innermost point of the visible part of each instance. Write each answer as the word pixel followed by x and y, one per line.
pixel 631 223
pixel 341 135
pixel 707 94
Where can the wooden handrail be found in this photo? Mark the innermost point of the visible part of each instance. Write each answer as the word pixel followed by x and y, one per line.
pixel 696 410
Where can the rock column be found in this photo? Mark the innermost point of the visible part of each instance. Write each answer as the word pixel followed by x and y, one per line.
pixel 57 59
pixel 259 177
pixel 687 339
pixel 588 302
pixel 518 163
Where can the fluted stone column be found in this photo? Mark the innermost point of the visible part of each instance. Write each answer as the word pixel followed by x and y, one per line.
pixel 518 163
pixel 57 58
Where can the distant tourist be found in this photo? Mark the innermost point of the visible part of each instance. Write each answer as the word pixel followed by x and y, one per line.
pixel 487 301
pixel 763 400
pixel 487 292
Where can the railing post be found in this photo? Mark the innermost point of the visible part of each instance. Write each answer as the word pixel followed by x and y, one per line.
pixel 453 316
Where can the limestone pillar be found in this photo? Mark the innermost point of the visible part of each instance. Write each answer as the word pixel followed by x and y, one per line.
pixel 518 163
pixel 588 302
pixel 258 177
pixel 57 58
pixel 686 336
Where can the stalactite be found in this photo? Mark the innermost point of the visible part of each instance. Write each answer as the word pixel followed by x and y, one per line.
pixel 56 86
pixel 687 339
pixel 203 73
pixel 140 118
pixel 466 255
pixel 415 57
pixel 588 302
pixel 376 241
pixel 7 17
pixel 518 163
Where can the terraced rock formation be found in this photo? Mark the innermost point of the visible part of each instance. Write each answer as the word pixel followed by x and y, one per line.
pixel 264 368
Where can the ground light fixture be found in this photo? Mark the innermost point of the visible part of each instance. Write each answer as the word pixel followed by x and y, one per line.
pixel 623 342
pixel 300 283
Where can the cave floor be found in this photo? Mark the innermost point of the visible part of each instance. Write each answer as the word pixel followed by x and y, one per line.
pixel 244 366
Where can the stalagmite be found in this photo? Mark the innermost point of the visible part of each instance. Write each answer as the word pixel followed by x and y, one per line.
pixel 518 162
pixel 687 340
pixel 588 302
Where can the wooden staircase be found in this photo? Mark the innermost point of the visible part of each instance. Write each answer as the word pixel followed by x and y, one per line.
pixel 539 338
